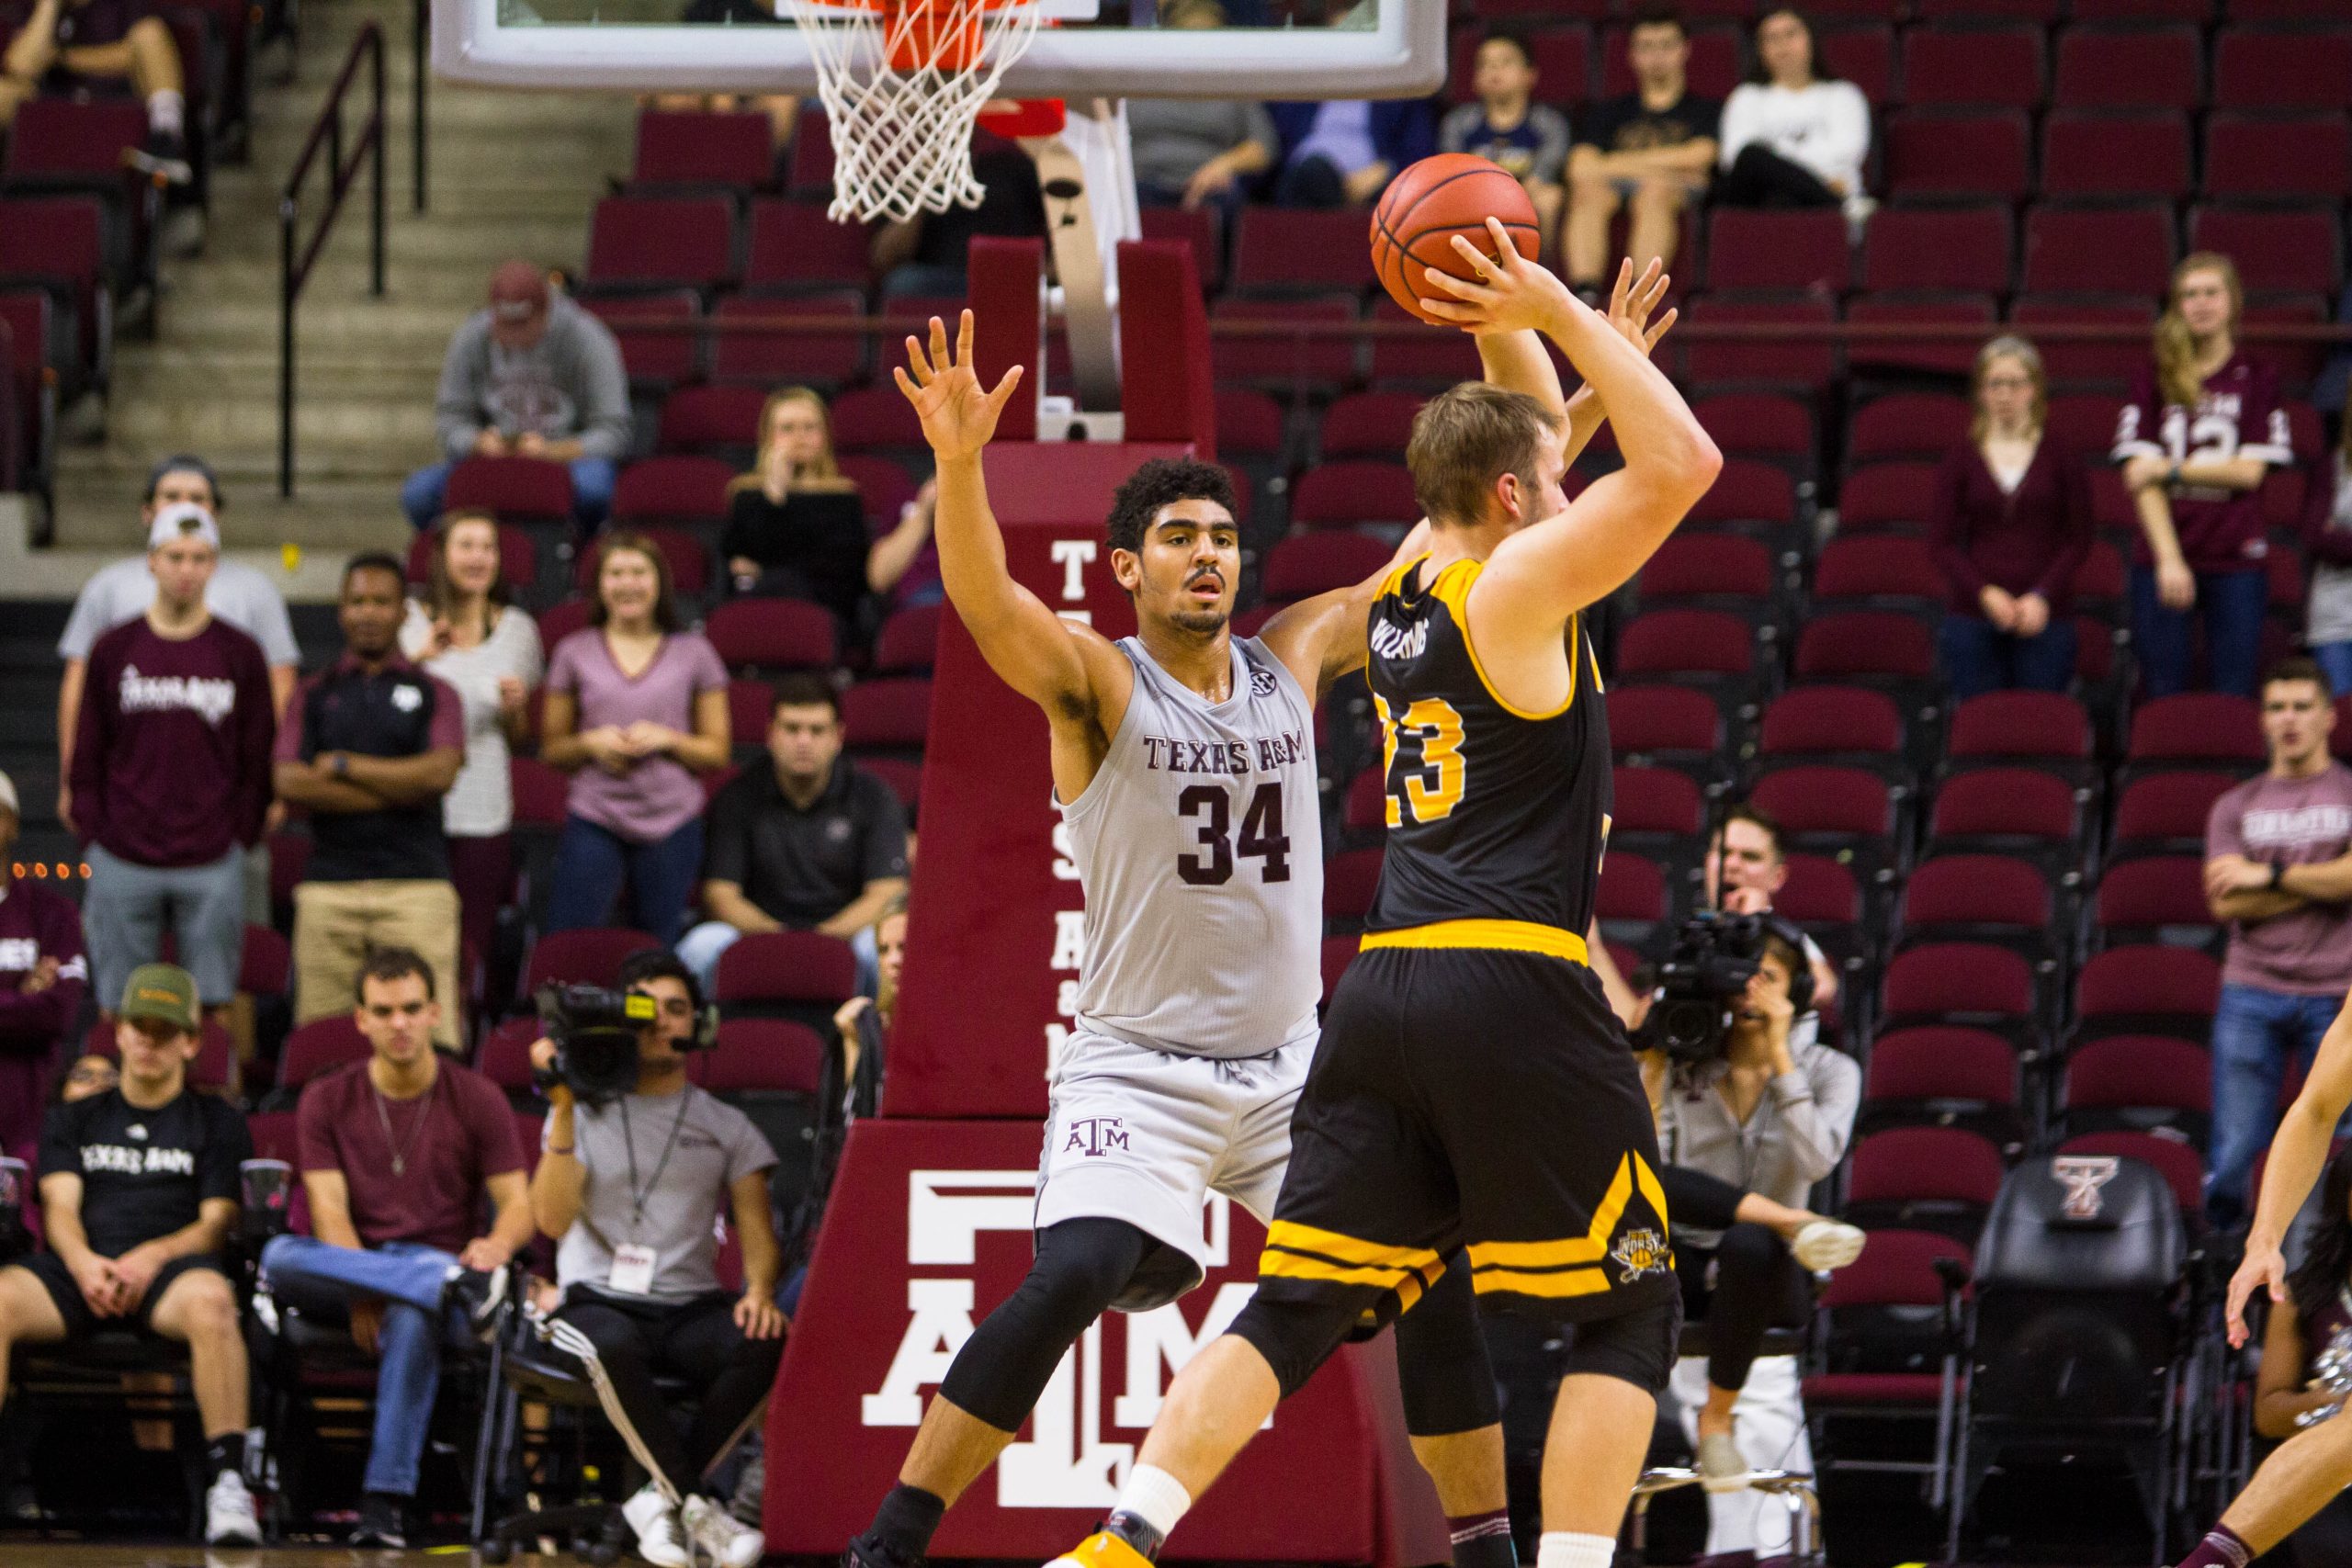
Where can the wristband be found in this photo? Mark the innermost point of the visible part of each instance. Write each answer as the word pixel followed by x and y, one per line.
pixel 565 1150
pixel 2172 476
pixel 2278 874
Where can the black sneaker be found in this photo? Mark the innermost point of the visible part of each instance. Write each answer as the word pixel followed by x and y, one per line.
pixel 864 1551
pixel 165 155
pixel 479 1295
pixel 380 1522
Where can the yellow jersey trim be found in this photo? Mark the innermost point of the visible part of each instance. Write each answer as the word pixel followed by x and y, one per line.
pixel 1294 1238
pixel 1274 1263
pixel 1575 1282
pixel 1393 582
pixel 1511 936
pixel 1454 595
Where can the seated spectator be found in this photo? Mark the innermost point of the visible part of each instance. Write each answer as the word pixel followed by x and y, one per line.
pixel 1198 153
pixel 531 376
pixel 368 749
pixel 795 528
pixel 1746 865
pixel 1343 152
pixel 863 1022
pixel 652 1304
pixel 76 46
pixel 1651 151
pixel 1773 1118
pixel 903 565
pixel 2292 1391
pixel 2198 435
pixel 2011 525
pixel 467 632
pixel 172 773
pixel 83 1076
pixel 923 256
pixel 138 1189
pixel 43 977
pixel 121 591
pixel 1508 127
pixel 634 709
pixel 399 1153
pixel 811 842
pixel 1794 135
pixel 2327 543
pixel 2279 871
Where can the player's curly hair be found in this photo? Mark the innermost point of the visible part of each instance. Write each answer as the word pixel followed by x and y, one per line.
pixel 1162 482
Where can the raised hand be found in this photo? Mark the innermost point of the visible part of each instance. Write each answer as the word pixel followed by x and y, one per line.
pixel 1633 301
pixel 2264 1270
pixel 1509 294
pixel 958 416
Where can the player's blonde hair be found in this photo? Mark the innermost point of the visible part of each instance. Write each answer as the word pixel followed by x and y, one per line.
pixel 2177 378
pixel 1467 437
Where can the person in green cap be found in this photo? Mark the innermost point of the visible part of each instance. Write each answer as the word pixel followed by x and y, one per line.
pixel 139 1188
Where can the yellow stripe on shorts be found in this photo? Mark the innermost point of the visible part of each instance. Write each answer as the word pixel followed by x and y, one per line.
pixel 1510 936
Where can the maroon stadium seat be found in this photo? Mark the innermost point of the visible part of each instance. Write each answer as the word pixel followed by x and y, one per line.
pixel 636 242
pixel 866 417
pixel 1887 495
pixel 1749 491
pixel 1908 424
pixel 703 148
pixel 794 245
pixel 1940 1178
pixel 884 487
pixel 786 966
pixel 1946 356
pixel 1864 54
pixel 909 641
pixel 1780 364
pixel 809 169
pixel 1754 249
pixel 1758 424
pixel 716 420
pixel 1710 568
pixel 672 489
pixel 765 359
pixel 2168 810
pixel 1893 1352
pixel 1289 250
pixel 1422 358
pixel 2106 156
pixel 319 1046
pixel 2112 362
pixel 1562 57
pixel 891 715
pixel 1942 1076
pixel 2044 12
pixel 1249 423
pixel 1888 573
pixel 1703 645
pixel 761 1055
pixel 1198 230
pixel 1960 982
pixel 1978 896
pixel 1309 564
pixel 2020 727
pixel 2196 727
pixel 588 957
pixel 1350 878
pixel 1631 900
pixel 1831 721
pixel 1994 66
pixel 1664 720
pixel 511 489
pixel 655 359
pixel 2259 157
pixel 2169 990
pixel 2142 10
pixel 504 1057
pixel 2277 251
pixel 1825 808
pixel 2130 68
pixel 1964 249
pixel 1820 893
pixel 2009 810
pixel 1656 801
pixel 2152 895
pixel 1870 647
pixel 58 245
pixel 2255 68
pixel 1942 153
pixel 1325 365
pixel 751 706
pixel 1366 424
pixel 1344 494
pixel 2090 250
pixel 2141 1081
pixel 773 634
pixel 2183 1168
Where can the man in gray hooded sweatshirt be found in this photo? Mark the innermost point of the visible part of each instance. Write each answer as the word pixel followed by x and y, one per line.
pixel 530 375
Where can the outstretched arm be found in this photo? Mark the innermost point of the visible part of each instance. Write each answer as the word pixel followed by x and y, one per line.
pixel 1321 640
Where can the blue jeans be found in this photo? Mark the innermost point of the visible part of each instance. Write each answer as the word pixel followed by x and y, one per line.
pixel 1979 657
pixel 2255 1033
pixel 592 493
pixel 2335 658
pixel 319 1280
pixel 591 864
pixel 2229 602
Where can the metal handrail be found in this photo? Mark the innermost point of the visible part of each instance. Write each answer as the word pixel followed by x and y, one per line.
pixel 294 270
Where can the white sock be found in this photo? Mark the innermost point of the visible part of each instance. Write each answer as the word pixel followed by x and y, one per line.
pixel 1156 1497
pixel 166 112
pixel 1564 1549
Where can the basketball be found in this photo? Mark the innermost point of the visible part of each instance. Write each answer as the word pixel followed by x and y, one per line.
pixel 1431 201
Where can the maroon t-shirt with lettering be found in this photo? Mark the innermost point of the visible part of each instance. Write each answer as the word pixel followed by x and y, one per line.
pixel 2305 951
pixel 171 756
pixel 451 1139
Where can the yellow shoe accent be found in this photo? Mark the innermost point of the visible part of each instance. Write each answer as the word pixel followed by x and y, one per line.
pixel 1102 1550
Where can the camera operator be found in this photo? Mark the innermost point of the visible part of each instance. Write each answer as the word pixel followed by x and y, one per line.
pixel 1746 866
pixel 1771 1116
pixel 634 1187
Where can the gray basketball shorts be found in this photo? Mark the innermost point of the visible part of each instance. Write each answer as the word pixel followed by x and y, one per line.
pixel 1145 1136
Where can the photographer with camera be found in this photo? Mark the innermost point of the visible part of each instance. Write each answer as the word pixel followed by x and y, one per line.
pixel 1746 865
pixel 638 1164
pixel 1739 1098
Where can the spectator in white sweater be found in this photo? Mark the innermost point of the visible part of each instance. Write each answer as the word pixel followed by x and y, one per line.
pixel 1792 134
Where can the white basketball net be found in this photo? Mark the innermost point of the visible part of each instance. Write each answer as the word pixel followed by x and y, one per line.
pixel 902 140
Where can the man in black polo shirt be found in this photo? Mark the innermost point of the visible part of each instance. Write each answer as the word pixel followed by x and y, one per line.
pixel 810 843
pixel 369 749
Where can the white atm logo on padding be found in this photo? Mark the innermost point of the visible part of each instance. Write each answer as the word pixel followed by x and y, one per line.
pixel 1066 1462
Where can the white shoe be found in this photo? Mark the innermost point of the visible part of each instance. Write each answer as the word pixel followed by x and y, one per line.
pixel 658 1539
pixel 229 1518
pixel 714 1530
pixel 1827 1243
pixel 1720 1467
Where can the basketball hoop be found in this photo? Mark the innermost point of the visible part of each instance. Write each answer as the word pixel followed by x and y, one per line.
pixel 902 81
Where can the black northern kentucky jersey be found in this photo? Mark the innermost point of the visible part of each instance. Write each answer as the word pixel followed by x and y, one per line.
pixel 1495 814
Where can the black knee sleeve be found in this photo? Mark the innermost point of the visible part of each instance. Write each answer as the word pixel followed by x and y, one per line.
pixel 1748 1252
pixel 1637 1348
pixel 1441 1365
pixel 1294 1336
pixel 1081 1266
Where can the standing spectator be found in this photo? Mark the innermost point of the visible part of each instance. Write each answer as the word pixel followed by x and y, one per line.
pixel 1198 153
pixel 1746 865
pixel 399 1153
pixel 1651 149
pixel 634 709
pixel 2011 525
pixel 1794 135
pixel 811 842
pixel 468 632
pixel 531 376
pixel 903 565
pixel 369 749
pixel 43 977
pixel 84 45
pixel 1509 128
pixel 795 525
pixel 138 1189
pixel 172 774
pixel 2202 428
pixel 1343 152
pixel 121 591
pixel 636 1261
pixel 2278 869
pixel 2328 541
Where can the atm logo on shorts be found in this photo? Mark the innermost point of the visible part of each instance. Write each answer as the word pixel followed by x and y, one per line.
pixel 1096 1136
pixel 1639 1254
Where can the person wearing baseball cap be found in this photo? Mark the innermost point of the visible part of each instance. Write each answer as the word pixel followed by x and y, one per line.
pixel 43 977
pixel 530 375
pixel 170 770
pixel 138 1189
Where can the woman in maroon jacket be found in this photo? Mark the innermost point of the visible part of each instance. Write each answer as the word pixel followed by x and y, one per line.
pixel 2011 523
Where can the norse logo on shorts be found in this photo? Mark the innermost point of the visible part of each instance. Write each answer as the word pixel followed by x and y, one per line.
pixel 1096 1136
pixel 1641 1252
pixel 1262 683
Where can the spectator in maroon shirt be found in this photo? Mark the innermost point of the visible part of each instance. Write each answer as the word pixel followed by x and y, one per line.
pixel 42 979
pixel 171 775
pixel 2011 523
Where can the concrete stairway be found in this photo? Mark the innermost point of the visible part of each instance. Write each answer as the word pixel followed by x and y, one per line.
pixel 510 174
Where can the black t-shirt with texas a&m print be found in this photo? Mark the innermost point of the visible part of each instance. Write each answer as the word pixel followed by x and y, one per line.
pixel 144 1172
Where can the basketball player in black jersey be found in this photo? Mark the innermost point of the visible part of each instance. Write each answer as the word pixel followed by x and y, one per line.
pixel 1472 1088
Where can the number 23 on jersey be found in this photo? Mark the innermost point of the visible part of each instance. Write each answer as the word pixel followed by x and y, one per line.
pixel 1427 741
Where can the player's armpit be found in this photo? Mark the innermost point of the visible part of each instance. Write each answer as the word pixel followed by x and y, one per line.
pixel 1324 639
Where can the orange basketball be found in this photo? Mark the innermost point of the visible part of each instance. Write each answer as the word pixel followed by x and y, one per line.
pixel 1425 207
